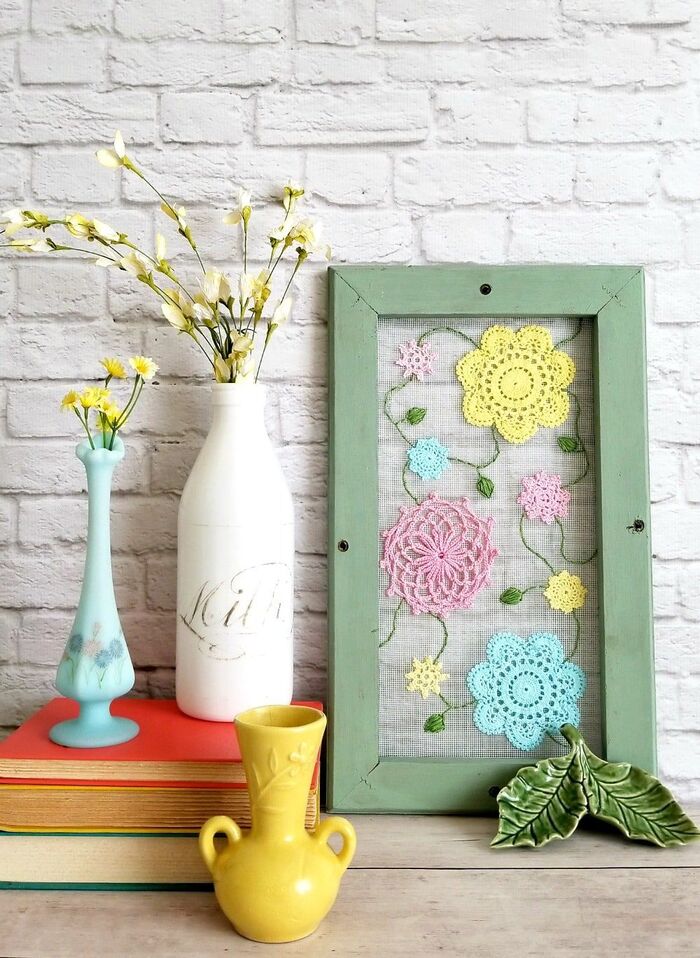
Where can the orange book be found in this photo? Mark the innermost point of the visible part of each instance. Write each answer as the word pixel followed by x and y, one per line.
pixel 172 749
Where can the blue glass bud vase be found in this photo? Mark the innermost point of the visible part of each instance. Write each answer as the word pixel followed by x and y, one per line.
pixel 96 667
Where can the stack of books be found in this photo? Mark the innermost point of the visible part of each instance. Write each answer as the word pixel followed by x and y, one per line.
pixel 124 816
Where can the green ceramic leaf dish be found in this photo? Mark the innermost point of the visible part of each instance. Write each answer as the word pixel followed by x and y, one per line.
pixel 549 799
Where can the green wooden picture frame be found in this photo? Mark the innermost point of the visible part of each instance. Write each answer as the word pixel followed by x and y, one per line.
pixel 359 780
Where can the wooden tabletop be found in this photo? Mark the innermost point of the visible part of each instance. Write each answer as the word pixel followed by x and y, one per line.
pixel 419 886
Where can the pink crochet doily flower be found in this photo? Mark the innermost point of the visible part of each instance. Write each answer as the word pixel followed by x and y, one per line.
pixel 416 360
pixel 542 497
pixel 438 555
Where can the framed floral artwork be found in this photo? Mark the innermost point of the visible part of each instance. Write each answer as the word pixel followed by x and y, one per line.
pixel 489 528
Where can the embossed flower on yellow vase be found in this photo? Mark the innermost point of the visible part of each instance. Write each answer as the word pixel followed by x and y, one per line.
pixel 565 592
pixel 516 381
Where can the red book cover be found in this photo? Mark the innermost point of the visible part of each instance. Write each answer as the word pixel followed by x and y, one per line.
pixel 171 749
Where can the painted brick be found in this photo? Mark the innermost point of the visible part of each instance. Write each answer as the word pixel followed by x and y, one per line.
pixel 139 524
pixel 676 537
pixel 23 351
pixel 148 19
pixel 673 416
pixel 385 237
pixel 75 117
pixel 7 67
pixel 348 179
pixel 255 22
pixel 692 240
pixel 465 177
pixel 14 175
pixel 679 174
pixel 202 117
pixel 334 21
pixel 464 115
pixel 465 237
pixel 616 177
pixel 628 11
pixel 316 65
pixel 666 590
pixel 612 117
pixel 59 288
pixel 23 690
pixel 51 579
pixel 343 117
pixel 665 474
pixel 454 20
pixel 689 592
pixel 35 468
pixel 676 296
pixel 74 60
pixel 188 63
pixel 57 16
pixel 9 633
pixel 71 177
pixel 692 475
pixel 8 520
pixel 596 237
pixel 161 582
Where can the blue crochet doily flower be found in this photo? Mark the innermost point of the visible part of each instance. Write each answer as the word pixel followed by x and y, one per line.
pixel 428 458
pixel 525 688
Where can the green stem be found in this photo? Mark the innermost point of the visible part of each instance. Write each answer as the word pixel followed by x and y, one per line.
pixel 445 638
pixel 268 337
pixel 447 329
pixel 84 424
pixel 529 548
pixel 569 339
pixel 482 465
pixel 579 440
pixel 576 638
pixel 393 624
pixel 565 556
pixel 395 422
pixel 133 399
pixel 403 480
pixel 172 210
pixel 452 705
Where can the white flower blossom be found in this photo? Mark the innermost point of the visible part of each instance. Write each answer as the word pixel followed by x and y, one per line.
pixel 104 231
pixel 282 312
pixel 241 210
pixel 135 264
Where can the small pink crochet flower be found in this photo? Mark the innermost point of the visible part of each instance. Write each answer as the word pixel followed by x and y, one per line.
pixel 416 360
pixel 542 497
pixel 438 555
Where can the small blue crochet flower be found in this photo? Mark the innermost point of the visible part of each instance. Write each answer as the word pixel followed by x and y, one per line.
pixel 428 458
pixel 525 688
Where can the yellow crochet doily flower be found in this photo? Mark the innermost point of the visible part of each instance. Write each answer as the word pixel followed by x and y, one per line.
pixel 425 677
pixel 565 592
pixel 516 381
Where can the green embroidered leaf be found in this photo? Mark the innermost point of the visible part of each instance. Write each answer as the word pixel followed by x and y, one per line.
pixel 434 723
pixel 511 596
pixel 542 802
pixel 567 444
pixel 415 415
pixel 485 486
pixel 634 801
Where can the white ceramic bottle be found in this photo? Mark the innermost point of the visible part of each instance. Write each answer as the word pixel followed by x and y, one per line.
pixel 235 566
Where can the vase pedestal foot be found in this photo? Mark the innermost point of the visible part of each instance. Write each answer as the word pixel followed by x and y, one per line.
pixel 95 727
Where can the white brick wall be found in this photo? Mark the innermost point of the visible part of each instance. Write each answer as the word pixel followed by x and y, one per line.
pixel 460 130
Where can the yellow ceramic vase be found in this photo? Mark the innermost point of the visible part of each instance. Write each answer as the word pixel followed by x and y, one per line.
pixel 277 881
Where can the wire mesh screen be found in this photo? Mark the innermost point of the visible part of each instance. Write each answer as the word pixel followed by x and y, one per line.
pixel 426 708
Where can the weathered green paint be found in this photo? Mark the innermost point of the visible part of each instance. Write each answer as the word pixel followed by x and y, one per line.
pixel 614 298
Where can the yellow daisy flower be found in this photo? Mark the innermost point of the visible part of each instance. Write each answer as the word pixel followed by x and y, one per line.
pixel 565 592
pixel 112 412
pixel 425 677
pixel 70 400
pixel 516 381
pixel 114 367
pixel 144 366
pixel 94 397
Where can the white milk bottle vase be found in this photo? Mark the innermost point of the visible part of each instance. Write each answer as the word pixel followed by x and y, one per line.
pixel 235 566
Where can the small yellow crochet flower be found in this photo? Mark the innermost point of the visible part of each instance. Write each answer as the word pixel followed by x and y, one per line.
pixel 144 366
pixel 565 592
pixel 70 400
pixel 516 381
pixel 114 367
pixel 94 397
pixel 425 677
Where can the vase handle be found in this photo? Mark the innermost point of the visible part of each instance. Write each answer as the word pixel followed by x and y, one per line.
pixel 342 827
pixel 218 824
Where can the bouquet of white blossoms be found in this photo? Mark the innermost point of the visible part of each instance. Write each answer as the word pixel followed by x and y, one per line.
pixel 225 318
